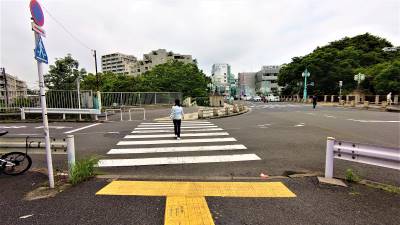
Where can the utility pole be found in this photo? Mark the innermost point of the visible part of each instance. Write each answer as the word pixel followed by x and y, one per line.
pixel 5 84
pixel 340 89
pixel 95 66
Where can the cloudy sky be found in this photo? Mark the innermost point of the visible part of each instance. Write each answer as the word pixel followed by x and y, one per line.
pixel 244 33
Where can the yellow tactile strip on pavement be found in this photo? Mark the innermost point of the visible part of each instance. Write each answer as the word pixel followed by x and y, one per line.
pixel 187 211
pixel 197 189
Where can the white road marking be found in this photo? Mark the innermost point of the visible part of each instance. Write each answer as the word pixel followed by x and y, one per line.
pixel 375 121
pixel 329 116
pixel 54 127
pixel 183 122
pixel 12 127
pixel 82 128
pixel 182 135
pixel 182 127
pixel 177 160
pixel 176 149
pixel 156 142
pixel 300 125
pixel 171 124
pixel 169 130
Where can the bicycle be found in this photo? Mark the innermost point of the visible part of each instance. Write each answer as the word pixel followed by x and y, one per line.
pixel 14 163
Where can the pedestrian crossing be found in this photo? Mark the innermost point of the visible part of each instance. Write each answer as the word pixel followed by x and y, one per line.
pixel 155 142
pixel 276 106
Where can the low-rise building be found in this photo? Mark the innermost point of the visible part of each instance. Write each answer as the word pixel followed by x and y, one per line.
pixel 11 86
pixel 267 80
pixel 264 81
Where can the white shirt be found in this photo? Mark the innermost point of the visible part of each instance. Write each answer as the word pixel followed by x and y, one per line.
pixel 176 112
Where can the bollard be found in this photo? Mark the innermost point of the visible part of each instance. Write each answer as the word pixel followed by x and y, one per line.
pixel 70 152
pixel 215 111
pixel 396 100
pixel 226 110
pixel 376 99
pixel 63 115
pixel 325 98
pixel 22 114
pixel 330 141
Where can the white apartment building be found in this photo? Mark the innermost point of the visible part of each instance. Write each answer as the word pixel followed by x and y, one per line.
pixel 117 63
pixel 14 86
pixel 247 83
pixel 129 65
pixel 221 76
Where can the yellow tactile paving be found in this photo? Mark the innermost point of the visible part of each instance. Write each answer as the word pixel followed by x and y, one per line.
pixel 187 211
pixel 197 189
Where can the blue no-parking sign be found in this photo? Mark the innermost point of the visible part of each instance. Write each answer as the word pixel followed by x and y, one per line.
pixel 36 12
pixel 40 51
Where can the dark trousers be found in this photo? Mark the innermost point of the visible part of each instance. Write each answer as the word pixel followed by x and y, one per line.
pixel 177 127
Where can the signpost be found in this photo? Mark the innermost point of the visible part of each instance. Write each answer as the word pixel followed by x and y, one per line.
pixel 41 57
pixel 305 74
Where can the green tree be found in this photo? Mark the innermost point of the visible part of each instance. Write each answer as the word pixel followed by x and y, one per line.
pixel 341 60
pixel 63 74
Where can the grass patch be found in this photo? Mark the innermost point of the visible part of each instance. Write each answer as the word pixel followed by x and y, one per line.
pixel 385 187
pixel 83 170
pixel 351 176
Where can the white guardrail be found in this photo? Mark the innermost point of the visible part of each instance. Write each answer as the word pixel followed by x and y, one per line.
pixel 137 109
pixel 36 145
pixel 361 153
pixel 59 111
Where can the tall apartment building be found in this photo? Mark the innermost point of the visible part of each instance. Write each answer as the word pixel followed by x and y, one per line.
pixel 117 63
pixel 267 80
pixel 129 65
pixel 157 57
pixel 247 83
pixel 12 85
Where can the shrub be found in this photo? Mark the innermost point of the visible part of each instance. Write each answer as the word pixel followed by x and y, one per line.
pixel 351 176
pixel 83 170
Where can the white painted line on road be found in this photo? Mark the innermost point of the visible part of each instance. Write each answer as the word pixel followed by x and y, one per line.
pixel 329 116
pixel 183 122
pixel 182 135
pixel 300 125
pixel 168 130
pixel 310 114
pixel 82 128
pixel 182 127
pixel 375 121
pixel 171 124
pixel 54 127
pixel 176 149
pixel 177 160
pixel 12 127
pixel 156 142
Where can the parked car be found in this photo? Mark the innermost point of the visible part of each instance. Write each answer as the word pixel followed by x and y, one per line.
pixel 246 98
pixel 257 98
pixel 273 98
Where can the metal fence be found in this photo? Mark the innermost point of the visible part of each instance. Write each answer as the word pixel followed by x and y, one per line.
pixel 12 101
pixel 123 99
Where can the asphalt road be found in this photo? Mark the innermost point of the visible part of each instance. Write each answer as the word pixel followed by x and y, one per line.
pixel 288 138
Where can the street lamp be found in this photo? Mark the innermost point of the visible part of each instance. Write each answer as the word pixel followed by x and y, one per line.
pixel 340 90
pixel 305 74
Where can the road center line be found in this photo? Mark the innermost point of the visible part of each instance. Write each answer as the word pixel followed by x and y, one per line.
pixel 81 128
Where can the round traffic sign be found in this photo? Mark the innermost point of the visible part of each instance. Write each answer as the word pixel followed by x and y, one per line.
pixel 36 12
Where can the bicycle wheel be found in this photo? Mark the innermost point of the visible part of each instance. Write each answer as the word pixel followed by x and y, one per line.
pixel 17 163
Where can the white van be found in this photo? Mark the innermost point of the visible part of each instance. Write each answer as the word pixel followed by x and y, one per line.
pixel 272 98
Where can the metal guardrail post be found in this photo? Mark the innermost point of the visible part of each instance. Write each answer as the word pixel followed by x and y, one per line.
pixel 330 141
pixel 70 152
pixel 22 114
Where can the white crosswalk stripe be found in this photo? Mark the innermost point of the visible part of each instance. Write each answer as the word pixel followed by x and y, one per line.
pixel 182 135
pixel 160 135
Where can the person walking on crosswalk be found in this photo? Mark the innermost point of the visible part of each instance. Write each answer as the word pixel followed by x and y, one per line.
pixel 177 116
